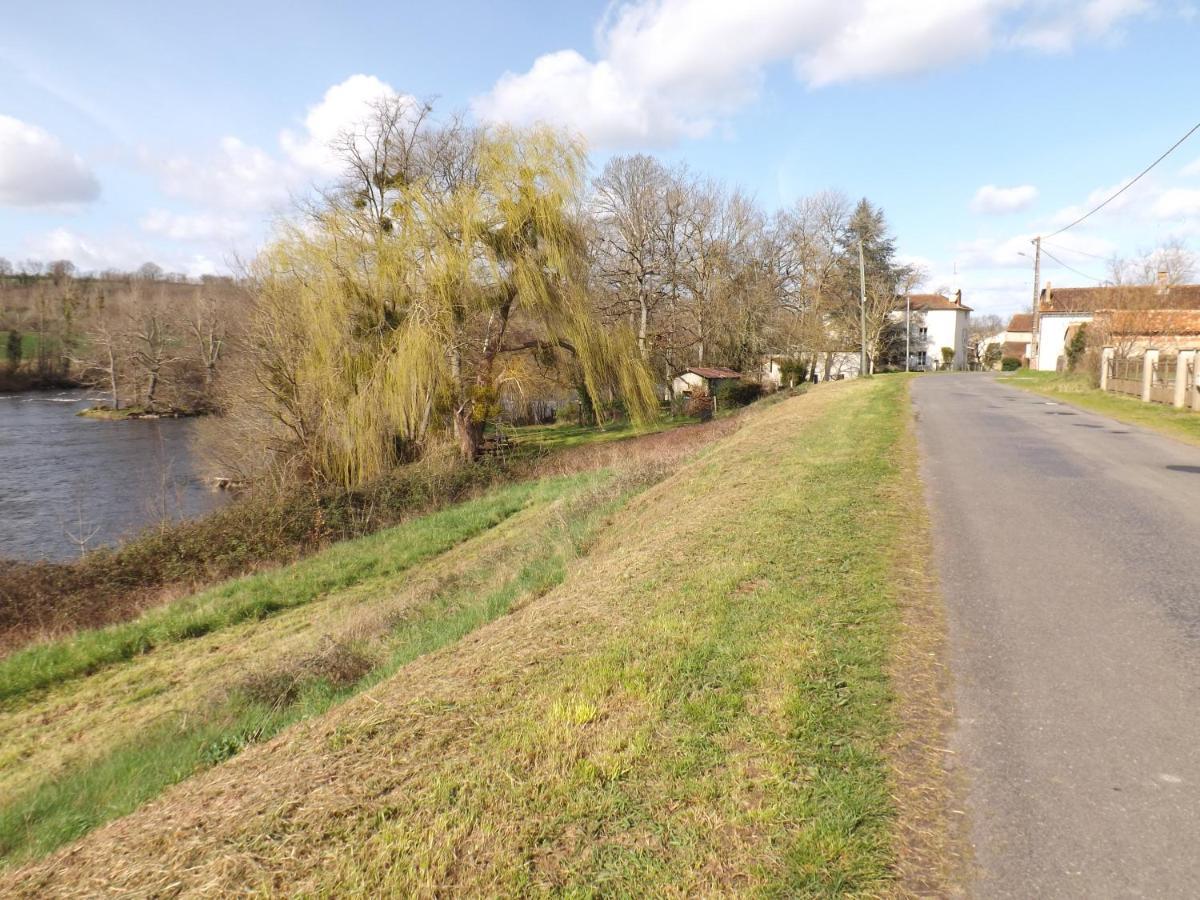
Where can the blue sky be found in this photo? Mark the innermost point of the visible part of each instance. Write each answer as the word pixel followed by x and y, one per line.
pixel 176 132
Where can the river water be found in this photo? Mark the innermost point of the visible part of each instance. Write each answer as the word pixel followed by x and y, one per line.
pixel 63 477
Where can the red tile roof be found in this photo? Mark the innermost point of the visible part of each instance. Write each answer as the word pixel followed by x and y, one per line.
pixel 1149 322
pixel 1090 299
pixel 933 301
pixel 712 372
pixel 1021 322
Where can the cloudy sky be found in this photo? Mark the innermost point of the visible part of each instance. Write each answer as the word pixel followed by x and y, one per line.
pixel 176 132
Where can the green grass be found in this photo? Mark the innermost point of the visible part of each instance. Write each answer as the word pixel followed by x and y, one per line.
pixel 563 435
pixel 29 345
pixel 255 597
pixel 692 700
pixel 74 802
pixel 1181 424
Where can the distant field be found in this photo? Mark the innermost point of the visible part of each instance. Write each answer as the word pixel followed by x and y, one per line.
pixel 613 682
pixel 1177 423
pixel 29 345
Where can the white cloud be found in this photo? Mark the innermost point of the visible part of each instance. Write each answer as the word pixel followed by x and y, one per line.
pixel 236 176
pixel 194 226
pixel 1192 168
pixel 240 176
pixel 1061 29
pixel 669 69
pixel 992 200
pixel 37 170
pixel 1006 253
pixel 115 251
pixel 343 109
pixel 1176 203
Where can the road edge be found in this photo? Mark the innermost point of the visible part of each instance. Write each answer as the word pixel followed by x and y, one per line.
pixel 933 856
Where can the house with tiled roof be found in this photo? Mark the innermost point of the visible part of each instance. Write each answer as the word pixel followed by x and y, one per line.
pixel 937 321
pixel 1160 311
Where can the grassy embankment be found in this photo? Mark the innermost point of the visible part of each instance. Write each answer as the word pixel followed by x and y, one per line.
pixel 675 690
pixel 40 600
pixel 1182 424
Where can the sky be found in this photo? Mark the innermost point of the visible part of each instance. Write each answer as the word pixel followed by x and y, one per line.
pixel 181 133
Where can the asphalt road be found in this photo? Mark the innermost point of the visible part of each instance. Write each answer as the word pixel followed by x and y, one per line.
pixel 1068 547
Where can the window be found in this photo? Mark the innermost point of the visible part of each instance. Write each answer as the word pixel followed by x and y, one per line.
pixel 921 360
pixel 923 333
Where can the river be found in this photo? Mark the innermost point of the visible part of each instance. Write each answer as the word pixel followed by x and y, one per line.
pixel 63 477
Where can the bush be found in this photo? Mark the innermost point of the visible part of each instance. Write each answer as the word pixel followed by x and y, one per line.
pixel 699 406
pixel 738 393
pixel 1010 364
pixel 113 584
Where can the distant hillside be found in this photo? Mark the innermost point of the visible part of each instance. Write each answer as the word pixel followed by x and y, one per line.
pixel 145 342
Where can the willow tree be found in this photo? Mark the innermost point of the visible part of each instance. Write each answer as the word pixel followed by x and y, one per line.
pixel 403 301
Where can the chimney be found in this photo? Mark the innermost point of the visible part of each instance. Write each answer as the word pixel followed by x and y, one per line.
pixel 1164 280
pixel 958 297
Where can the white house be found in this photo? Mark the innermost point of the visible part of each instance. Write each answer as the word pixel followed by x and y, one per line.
pixel 1061 309
pixel 1015 341
pixel 941 322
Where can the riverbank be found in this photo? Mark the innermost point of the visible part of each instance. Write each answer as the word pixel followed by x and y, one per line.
pixel 39 600
pixel 596 683
pixel 127 413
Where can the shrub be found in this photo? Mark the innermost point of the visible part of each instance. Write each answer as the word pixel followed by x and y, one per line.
pixel 738 393
pixel 699 406
pixel 1010 364
pixel 113 584
pixel 1077 347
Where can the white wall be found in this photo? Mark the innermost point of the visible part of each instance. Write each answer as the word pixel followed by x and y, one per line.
pixel 944 328
pixel 1052 337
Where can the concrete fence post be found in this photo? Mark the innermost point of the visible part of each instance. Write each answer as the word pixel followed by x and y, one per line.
pixel 1194 382
pixel 1183 367
pixel 1106 358
pixel 1149 361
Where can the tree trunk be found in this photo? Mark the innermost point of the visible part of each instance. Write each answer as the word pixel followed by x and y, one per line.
pixel 642 328
pixel 469 433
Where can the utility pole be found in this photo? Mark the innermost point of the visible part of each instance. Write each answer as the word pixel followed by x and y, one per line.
pixel 907 329
pixel 862 309
pixel 1037 295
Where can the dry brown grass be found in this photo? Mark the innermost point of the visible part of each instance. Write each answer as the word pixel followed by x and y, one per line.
pixel 932 846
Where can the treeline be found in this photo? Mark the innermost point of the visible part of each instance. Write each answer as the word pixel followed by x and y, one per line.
pixel 145 340
pixel 456 268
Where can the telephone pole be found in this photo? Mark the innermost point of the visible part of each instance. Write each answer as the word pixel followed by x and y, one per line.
pixel 862 309
pixel 1037 295
pixel 907 330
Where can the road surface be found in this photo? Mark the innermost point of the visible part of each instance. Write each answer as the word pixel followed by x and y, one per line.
pixel 1068 547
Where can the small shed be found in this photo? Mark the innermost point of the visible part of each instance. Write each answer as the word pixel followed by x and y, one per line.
pixel 703 380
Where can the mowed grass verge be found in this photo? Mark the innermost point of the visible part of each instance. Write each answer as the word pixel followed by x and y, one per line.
pixel 1181 424
pixel 253 597
pixel 146 729
pixel 700 707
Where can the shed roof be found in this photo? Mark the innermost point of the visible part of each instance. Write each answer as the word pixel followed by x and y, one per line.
pixel 714 372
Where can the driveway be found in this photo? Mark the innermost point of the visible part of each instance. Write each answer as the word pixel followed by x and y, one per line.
pixel 1068 547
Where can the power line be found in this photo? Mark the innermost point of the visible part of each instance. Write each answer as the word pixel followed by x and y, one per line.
pixel 1080 252
pixel 1076 271
pixel 1135 180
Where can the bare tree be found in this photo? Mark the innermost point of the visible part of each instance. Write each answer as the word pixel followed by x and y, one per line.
pixel 152 348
